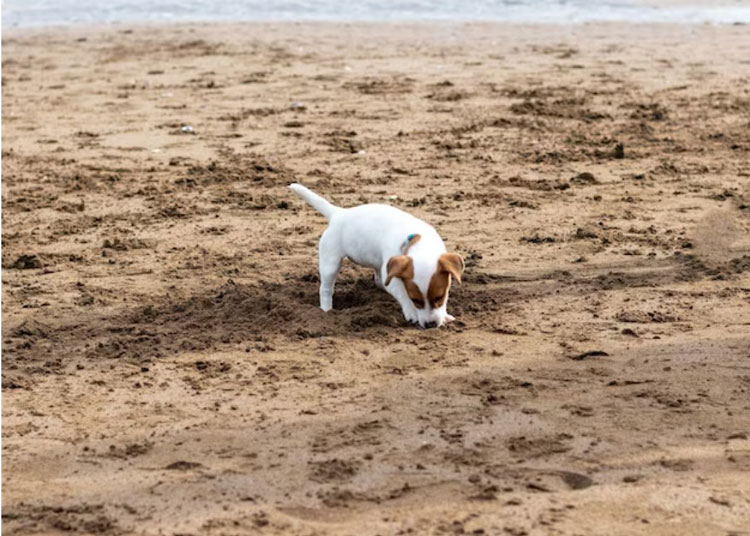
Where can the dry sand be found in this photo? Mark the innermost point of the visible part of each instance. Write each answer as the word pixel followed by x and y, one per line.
pixel 166 369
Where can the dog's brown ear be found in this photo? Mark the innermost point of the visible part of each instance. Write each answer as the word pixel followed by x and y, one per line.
pixel 400 266
pixel 451 263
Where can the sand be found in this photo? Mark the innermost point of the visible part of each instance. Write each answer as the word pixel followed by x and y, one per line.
pixel 166 369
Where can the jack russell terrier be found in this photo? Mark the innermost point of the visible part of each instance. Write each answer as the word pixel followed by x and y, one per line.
pixel 405 252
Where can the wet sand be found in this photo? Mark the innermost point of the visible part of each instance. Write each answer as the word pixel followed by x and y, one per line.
pixel 166 369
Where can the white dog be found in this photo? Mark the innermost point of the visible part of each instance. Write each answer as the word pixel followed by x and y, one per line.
pixel 405 252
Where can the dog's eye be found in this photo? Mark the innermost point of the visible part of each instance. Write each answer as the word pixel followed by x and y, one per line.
pixel 418 303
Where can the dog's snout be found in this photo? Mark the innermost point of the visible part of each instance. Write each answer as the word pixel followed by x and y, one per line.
pixel 431 324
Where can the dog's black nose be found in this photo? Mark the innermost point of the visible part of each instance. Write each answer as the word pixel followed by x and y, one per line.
pixel 429 325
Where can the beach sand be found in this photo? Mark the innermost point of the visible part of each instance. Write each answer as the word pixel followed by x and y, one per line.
pixel 166 369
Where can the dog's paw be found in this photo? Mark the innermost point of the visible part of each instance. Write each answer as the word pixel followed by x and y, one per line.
pixel 411 316
pixel 449 318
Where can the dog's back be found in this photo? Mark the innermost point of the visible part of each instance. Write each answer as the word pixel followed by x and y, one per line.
pixel 370 232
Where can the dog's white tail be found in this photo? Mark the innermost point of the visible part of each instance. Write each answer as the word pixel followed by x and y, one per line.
pixel 314 200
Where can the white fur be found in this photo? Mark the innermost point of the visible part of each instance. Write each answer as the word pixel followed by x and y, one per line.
pixel 370 235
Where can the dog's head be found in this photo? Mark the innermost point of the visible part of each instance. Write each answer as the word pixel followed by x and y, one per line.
pixel 427 284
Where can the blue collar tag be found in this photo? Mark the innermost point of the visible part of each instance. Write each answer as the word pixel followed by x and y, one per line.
pixel 406 242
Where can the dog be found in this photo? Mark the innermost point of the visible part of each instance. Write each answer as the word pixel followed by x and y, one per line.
pixel 407 254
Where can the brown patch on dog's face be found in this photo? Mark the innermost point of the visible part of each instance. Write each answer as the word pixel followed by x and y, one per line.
pixel 403 268
pixel 437 293
pixel 414 293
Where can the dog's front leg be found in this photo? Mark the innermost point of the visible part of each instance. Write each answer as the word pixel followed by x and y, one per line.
pixel 407 307
pixel 396 289
pixel 410 312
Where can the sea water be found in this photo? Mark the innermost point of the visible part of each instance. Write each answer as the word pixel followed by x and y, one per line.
pixel 26 13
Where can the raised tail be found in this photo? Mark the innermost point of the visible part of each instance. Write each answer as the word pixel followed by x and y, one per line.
pixel 314 200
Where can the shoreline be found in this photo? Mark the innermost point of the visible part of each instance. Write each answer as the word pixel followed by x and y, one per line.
pixel 120 26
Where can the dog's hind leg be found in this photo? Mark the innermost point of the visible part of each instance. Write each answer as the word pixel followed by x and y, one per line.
pixel 378 281
pixel 330 263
